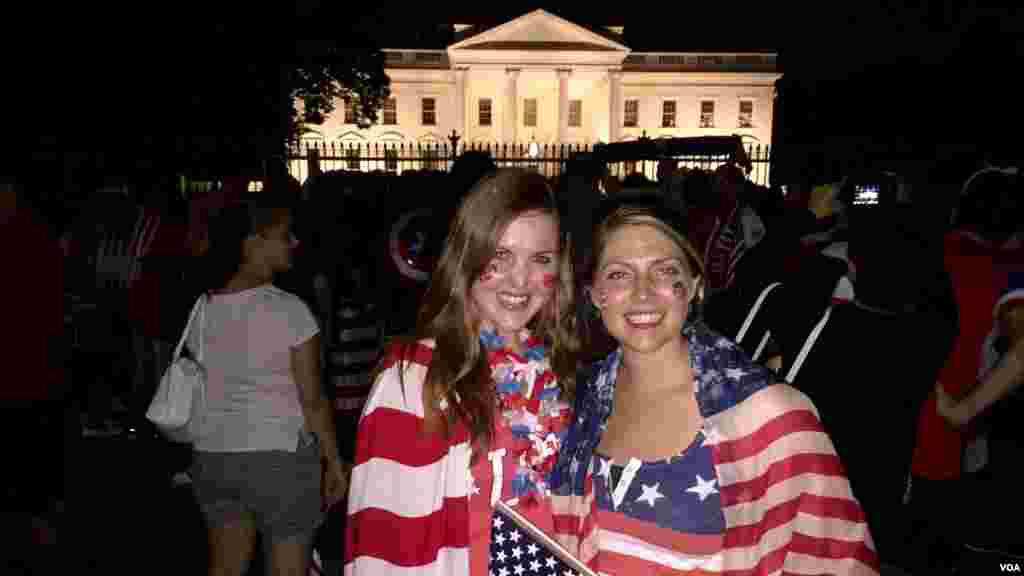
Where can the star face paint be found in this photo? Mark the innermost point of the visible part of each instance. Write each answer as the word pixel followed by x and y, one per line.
pixel 643 287
pixel 679 289
pixel 520 278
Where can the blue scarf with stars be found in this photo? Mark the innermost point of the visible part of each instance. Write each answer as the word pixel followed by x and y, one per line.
pixel 724 375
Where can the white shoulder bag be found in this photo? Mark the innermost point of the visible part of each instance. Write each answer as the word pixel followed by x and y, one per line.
pixel 179 405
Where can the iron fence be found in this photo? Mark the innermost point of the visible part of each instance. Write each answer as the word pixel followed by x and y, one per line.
pixel 309 158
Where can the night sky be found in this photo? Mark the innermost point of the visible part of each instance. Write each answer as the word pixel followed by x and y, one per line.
pixel 861 75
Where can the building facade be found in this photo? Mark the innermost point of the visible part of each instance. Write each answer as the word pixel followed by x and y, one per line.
pixel 540 78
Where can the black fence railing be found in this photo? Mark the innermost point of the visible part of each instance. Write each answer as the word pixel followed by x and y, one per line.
pixel 311 158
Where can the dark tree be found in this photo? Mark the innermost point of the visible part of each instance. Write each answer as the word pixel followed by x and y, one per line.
pixel 327 71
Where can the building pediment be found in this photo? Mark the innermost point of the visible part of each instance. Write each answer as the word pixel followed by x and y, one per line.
pixel 538 30
pixel 547 46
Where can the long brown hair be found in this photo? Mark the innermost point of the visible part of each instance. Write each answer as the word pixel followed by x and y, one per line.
pixel 458 371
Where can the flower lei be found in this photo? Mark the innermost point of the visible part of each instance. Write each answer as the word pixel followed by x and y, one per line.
pixel 539 422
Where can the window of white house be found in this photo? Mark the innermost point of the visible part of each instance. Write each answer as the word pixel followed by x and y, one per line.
pixel 390 115
pixel 530 112
pixel 631 117
pixel 351 113
pixel 746 119
pixel 352 154
pixel 575 113
pixel 429 117
pixel 485 112
pixel 707 114
pixel 668 114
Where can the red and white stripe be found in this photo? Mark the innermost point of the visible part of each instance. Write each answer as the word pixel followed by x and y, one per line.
pixel 430 524
pixel 787 503
pixel 142 241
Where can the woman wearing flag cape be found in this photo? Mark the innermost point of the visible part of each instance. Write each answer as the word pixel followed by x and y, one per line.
pixel 685 457
pixel 470 410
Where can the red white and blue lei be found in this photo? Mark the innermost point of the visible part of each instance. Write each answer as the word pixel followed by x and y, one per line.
pixel 528 400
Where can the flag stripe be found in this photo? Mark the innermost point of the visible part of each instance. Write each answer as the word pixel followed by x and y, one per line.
pixel 449 562
pixel 645 550
pixel 751 512
pixel 384 479
pixel 772 430
pixel 829 549
pixel 767 563
pixel 614 562
pixel 745 419
pixel 813 443
pixel 388 436
pixel 806 565
pixel 808 505
pixel 422 537
pixel 827 465
pixel 679 542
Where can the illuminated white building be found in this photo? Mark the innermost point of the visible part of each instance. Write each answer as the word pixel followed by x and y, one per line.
pixel 542 78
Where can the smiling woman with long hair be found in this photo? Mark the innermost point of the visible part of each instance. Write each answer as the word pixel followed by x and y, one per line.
pixel 472 407
pixel 683 456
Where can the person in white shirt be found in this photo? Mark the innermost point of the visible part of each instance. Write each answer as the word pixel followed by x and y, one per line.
pixel 268 433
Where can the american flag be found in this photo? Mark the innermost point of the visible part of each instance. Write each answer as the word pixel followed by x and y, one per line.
pixel 781 489
pixel 518 547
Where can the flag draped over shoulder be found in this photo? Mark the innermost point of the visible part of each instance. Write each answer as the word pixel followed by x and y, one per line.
pixel 787 504
pixel 431 520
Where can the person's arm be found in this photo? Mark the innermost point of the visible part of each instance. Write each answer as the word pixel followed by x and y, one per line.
pixel 305 364
pixel 1002 380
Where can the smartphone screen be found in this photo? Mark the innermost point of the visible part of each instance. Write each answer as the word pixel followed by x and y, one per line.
pixel 867 194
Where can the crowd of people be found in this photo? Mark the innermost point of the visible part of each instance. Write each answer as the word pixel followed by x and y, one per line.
pixel 694 374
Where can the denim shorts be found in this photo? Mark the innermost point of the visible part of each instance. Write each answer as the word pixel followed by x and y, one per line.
pixel 280 489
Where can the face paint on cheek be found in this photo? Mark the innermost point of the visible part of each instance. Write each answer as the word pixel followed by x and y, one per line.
pixel 679 290
pixel 549 281
pixel 490 273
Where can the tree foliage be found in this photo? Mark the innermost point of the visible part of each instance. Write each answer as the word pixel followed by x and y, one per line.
pixel 326 73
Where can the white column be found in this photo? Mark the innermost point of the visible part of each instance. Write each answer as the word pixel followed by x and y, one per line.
pixel 615 105
pixel 460 124
pixel 563 106
pixel 511 105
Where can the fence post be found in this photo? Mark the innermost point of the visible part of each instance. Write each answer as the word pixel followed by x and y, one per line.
pixel 312 162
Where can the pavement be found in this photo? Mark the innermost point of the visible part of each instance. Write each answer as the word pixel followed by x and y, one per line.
pixel 130 517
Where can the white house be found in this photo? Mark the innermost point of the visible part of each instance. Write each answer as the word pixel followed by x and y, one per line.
pixel 540 78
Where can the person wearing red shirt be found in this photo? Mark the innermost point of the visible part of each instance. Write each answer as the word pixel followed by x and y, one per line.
pixel 32 392
pixel 979 254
